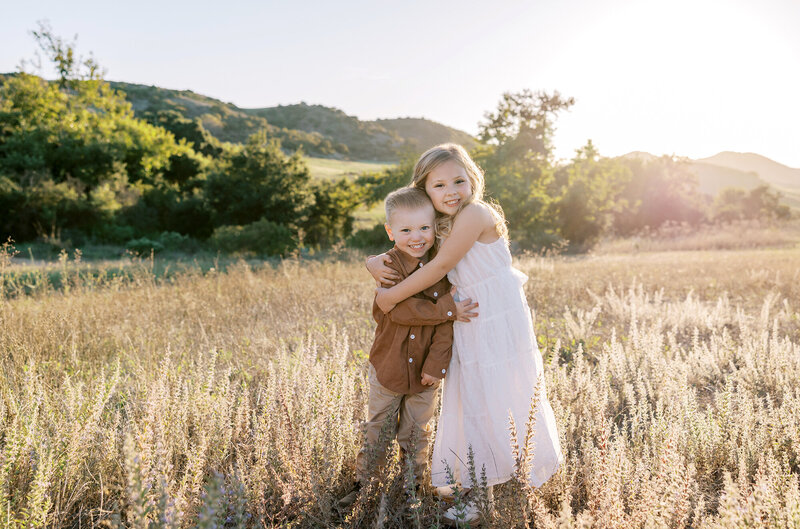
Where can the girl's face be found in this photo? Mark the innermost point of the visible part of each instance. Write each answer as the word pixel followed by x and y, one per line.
pixel 449 187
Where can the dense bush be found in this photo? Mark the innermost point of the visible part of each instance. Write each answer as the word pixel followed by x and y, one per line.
pixel 262 237
pixel 75 159
pixel 549 204
pixel 190 130
pixel 171 240
pixel 144 246
pixel 258 181
pixel 377 185
pixel 589 189
pixel 370 238
pixel 661 190
pixel 329 217
pixel 759 203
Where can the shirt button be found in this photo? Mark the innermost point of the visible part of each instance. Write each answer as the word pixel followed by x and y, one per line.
pixel 435 294
pixel 412 336
pixel 410 360
pixel 449 313
pixel 443 371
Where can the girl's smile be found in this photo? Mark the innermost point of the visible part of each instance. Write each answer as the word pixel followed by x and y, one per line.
pixel 449 187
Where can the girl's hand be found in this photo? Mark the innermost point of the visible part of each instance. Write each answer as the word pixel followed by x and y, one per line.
pixel 381 298
pixel 384 276
pixel 464 308
pixel 428 380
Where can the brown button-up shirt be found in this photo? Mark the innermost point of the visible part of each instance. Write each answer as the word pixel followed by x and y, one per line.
pixel 416 336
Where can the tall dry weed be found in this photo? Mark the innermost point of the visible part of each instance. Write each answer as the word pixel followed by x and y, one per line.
pixel 234 398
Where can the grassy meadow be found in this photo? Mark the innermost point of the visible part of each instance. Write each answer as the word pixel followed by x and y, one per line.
pixel 330 168
pixel 231 395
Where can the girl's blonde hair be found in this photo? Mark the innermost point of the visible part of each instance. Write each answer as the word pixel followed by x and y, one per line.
pixel 436 156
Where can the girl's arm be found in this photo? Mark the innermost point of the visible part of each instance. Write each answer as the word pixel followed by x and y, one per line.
pixel 469 224
pixel 384 275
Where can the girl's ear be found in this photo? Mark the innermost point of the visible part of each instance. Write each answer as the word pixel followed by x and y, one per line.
pixel 389 231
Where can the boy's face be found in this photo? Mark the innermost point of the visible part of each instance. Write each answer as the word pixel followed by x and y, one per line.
pixel 412 230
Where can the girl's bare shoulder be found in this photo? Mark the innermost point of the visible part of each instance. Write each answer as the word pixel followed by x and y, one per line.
pixel 481 218
pixel 477 212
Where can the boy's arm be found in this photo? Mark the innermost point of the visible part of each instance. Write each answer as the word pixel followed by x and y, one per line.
pixel 418 311
pixel 438 359
pixel 377 313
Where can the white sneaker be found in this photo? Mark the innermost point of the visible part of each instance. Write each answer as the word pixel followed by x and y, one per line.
pixel 461 514
pixel 445 493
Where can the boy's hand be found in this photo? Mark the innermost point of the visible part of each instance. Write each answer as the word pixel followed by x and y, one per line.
pixel 384 276
pixel 381 298
pixel 428 380
pixel 464 308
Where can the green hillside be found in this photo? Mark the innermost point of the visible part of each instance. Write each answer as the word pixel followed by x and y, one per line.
pixel 319 130
pixel 225 121
pixel 424 133
pixel 365 140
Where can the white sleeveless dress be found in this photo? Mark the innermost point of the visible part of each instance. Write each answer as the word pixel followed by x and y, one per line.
pixel 493 371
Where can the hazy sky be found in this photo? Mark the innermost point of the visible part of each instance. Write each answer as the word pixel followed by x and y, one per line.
pixel 685 77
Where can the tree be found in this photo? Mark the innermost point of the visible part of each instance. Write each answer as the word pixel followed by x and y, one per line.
pixel 524 123
pixel 661 190
pixel 758 203
pixel 377 185
pixel 329 218
pixel 190 130
pixel 590 186
pixel 61 54
pixel 518 160
pixel 258 181
pixel 77 156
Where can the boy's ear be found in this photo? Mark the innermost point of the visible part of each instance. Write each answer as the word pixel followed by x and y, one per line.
pixel 388 231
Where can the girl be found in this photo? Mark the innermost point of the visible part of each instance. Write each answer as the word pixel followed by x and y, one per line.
pixel 496 363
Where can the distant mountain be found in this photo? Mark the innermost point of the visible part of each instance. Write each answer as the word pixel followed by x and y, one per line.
pixel 640 155
pixel 365 140
pixel 714 178
pixel 744 170
pixel 768 170
pixel 425 133
pixel 319 130
pixel 378 140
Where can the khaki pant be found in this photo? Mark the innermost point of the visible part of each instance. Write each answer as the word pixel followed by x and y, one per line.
pixel 407 412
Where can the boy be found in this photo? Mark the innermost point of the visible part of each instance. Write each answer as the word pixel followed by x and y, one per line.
pixel 413 342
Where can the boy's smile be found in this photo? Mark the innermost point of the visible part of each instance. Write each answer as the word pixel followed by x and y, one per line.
pixel 412 230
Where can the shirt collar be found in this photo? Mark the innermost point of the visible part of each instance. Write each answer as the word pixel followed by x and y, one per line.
pixel 409 262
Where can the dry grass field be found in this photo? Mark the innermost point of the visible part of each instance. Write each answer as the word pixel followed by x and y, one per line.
pixel 232 398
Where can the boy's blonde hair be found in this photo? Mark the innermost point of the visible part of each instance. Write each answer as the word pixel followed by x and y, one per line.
pixel 436 156
pixel 405 198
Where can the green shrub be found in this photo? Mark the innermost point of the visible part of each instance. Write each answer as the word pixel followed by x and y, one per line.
pixel 172 240
pixel 262 237
pixel 374 237
pixel 114 233
pixel 144 246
